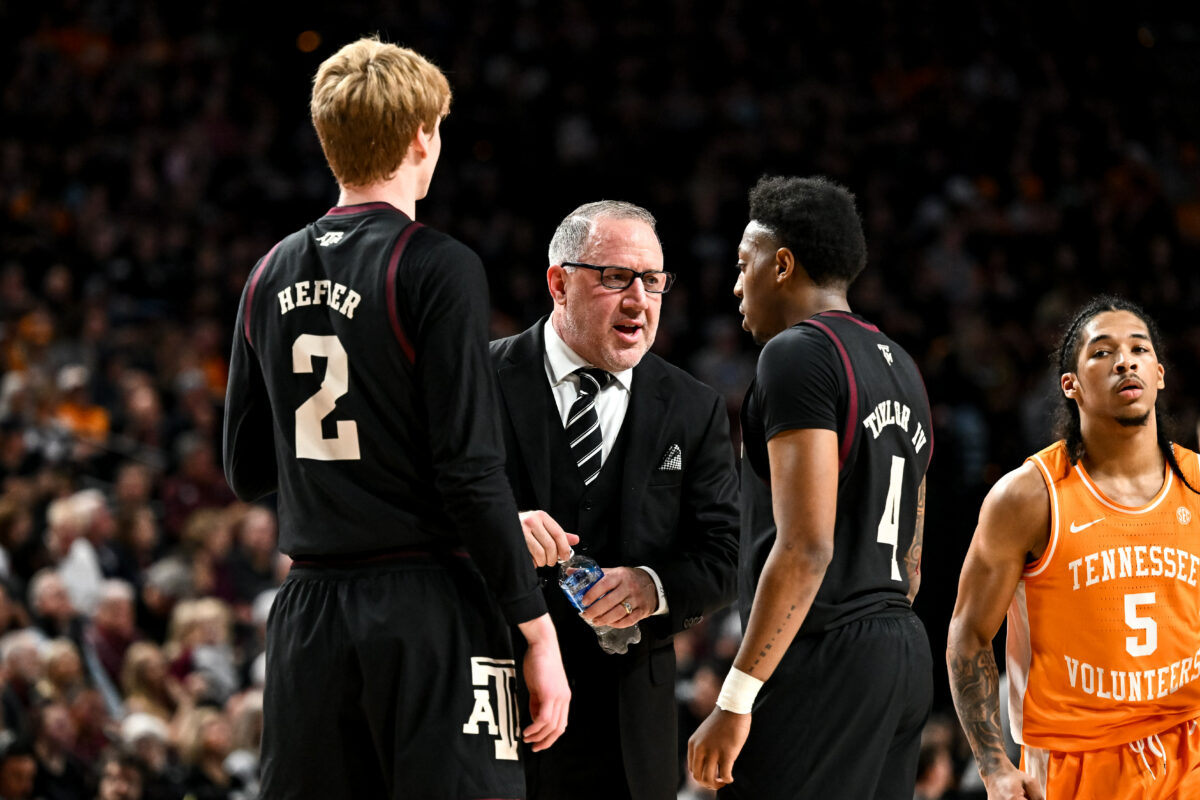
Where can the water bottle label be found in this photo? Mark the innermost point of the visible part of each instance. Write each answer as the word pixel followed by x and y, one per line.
pixel 576 584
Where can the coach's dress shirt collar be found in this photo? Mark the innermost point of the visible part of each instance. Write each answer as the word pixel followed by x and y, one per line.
pixel 562 361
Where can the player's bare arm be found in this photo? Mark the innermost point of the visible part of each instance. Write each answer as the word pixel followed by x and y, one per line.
pixel 804 522
pixel 1013 529
pixel 549 694
pixel 912 559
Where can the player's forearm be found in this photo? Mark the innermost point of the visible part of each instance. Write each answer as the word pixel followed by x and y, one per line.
pixel 975 686
pixel 539 631
pixel 789 582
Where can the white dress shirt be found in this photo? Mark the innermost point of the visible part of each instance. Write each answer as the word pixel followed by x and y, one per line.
pixel 611 405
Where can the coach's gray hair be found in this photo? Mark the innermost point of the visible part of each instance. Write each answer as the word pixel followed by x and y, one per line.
pixel 571 239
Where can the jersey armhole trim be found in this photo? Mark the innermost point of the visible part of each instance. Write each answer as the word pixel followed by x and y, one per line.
pixel 852 410
pixel 1039 566
pixel 390 287
pixel 254 279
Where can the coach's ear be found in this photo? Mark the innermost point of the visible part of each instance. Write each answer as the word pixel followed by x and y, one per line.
pixel 556 281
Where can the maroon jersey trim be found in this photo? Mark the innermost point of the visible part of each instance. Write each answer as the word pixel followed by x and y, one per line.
pixel 850 318
pixel 852 411
pixel 393 311
pixel 250 292
pixel 340 211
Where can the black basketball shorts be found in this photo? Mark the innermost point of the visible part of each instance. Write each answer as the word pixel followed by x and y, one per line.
pixel 389 681
pixel 841 717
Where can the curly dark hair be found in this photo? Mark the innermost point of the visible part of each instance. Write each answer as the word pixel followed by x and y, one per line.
pixel 1066 420
pixel 816 219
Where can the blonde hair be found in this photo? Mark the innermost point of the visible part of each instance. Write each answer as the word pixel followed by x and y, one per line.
pixel 202 616
pixel 138 658
pixel 190 744
pixel 368 101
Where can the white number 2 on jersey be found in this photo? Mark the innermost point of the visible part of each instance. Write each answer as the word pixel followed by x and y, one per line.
pixel 889 523
pixel 310 442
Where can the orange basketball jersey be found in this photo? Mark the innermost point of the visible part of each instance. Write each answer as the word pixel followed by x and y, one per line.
pixel 1104 629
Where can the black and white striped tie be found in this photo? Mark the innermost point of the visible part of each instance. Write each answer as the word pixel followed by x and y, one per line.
pixel 583 423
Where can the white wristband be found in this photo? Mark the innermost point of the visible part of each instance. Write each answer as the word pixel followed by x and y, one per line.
pixel 738 692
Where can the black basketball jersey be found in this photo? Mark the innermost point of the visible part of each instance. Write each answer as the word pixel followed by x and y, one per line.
pixel 360 388
pixel 838 372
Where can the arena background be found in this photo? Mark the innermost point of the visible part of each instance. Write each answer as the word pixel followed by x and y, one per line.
pixel 1009 163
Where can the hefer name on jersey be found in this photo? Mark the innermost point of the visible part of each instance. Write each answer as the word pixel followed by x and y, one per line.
pixel 318 293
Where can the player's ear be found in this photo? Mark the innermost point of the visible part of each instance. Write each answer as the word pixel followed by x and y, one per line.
pixel 419 146
pixel 1070 384
pixel 556 281
pixel 1161 371
pixel 785 264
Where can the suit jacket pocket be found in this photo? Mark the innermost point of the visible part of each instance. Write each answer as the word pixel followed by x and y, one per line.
pixel 665 477
pixel 657 517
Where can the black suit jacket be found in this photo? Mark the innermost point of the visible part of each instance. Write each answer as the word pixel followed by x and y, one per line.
pixel 681 523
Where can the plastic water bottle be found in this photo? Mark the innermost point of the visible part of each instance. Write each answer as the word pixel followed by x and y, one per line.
pixel 576 575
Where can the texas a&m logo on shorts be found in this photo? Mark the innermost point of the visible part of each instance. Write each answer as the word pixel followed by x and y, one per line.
pixel 498 678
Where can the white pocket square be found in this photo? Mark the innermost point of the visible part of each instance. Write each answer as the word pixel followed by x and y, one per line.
pixel 672 460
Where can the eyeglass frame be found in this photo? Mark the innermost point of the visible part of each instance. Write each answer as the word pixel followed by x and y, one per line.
pixel 669 277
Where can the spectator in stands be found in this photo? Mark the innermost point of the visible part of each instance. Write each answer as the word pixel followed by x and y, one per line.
pixel 51 609
pixel 205 741
pixel 165 583
pixel 93 724
pixel 199 646
pixel 61 673
pixel 254 557
pixel 147 685
pixel 18 771
pixel 122 776
pixel 206 540
pixel 197 483
pixel 81 532
pixel 21 667
pixel 136 543
pixel 60 774
pixel 107 637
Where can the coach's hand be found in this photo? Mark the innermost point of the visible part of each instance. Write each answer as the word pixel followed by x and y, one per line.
pixel 624 596
pixel 548 543
pixel 549 694
pixel 714 747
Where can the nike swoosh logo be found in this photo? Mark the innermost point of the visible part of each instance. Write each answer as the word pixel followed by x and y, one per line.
pixel 1077 528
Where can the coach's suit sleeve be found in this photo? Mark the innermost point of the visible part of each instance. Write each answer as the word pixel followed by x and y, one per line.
pixel 249 439
pixel 701 576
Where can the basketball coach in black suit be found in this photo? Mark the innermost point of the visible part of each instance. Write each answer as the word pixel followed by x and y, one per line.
pixel 631 463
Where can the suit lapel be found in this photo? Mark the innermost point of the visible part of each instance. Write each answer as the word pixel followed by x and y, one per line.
pixel 649 410
pixel 523 383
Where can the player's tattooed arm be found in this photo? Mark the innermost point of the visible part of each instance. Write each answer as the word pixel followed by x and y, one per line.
pixel 1013 521
pixel 912 559
pixel 975 685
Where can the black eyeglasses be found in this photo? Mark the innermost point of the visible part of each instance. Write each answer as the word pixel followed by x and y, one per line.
pixel 655 281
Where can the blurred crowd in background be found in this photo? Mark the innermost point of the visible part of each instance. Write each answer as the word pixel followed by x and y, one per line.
pixel 1007 167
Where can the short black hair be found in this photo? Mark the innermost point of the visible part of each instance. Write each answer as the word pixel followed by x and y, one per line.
pixel 817 220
